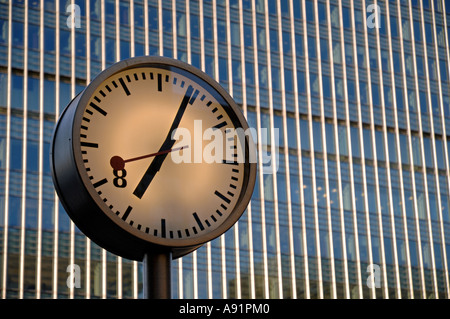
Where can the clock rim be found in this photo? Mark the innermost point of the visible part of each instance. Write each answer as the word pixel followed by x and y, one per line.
pixel 101 207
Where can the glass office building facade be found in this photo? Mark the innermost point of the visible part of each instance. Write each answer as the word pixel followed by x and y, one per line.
pixel 359 92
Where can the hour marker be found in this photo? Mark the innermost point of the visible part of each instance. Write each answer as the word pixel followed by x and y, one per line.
pixel 98 109
pixel 100 183
pixel 223 197
pixel 229 162
pixel 88 144
pixel 127 212
pixel 198 221
pixel 163 228
pixel 159 82
pixel 220 125
pixel 124 86
pixel 194 96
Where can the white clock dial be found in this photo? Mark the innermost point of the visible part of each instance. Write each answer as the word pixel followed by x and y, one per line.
pixel 130 118
pixel 153 154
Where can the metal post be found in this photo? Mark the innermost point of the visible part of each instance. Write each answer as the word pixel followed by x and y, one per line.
pixel 156 276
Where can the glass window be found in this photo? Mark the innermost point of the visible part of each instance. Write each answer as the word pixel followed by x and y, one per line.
pixel 17 34
pixel 351 90
pixel 33 94
pixel 312 47
pixel 415 141
pixel 404 149
pixel 367 143
pixel 33 36
pixel 394 29
pixel 17 91
pixel 329 130
pixel 354 132
pixel 3 31
pixel 380 145
pixel 326 86
pixel 392 147
pixel 310 11
pixel 291 132
pixel 317 134
pixel 343 145
pixel 304 134
pixel 49 39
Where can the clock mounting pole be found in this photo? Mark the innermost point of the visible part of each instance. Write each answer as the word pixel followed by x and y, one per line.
pixel 157 274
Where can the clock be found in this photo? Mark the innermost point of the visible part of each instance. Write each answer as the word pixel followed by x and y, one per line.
pixel 153 155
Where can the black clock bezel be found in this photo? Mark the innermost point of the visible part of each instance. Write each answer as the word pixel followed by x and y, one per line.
pixel 83 204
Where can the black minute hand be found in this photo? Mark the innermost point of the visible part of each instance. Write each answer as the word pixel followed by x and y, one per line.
pixel 168 143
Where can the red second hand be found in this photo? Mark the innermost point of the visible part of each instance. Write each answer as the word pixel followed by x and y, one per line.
pixel 118 163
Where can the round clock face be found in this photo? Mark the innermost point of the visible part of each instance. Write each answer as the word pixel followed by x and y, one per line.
pixel 162 151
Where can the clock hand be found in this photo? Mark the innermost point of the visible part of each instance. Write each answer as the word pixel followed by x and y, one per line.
pixel 168 143
pixel 118 162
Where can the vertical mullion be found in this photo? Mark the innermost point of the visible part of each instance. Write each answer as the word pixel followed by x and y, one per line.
pixel 146 27
pixel 57 112
pixel 338 162
pixel 88 80
pixel 260 150
pixel 398 152
pixel 231 92
pixel 72 92
pixel 174 30
pixel 286 160
pixel 325 157
pixel 311 143
pixel 348 139
pixel 8 149
pixel 411 158
pixel 425 179
pixel 436 174
pixel 273 151
pixel 24 154
pixel 375 160
pixel 41 146
pixel 299 152
pixel 251 272
pixel 387 162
